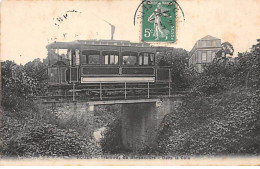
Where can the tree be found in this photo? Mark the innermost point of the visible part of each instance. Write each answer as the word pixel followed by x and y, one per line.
pixel 181 74
pixel 38 71
pixel 226 50
pixel 218 75
pixel 248 66
pixel 20 84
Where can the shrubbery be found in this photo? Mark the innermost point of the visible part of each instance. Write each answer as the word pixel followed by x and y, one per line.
pixel 27 130
pixel 35 133
pixel 223 124
pixel 214 79
pixel 32 139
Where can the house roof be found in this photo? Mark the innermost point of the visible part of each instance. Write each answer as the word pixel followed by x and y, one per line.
pixel 208 37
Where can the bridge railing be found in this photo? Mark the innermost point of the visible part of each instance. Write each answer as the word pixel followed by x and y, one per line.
pixel 116 91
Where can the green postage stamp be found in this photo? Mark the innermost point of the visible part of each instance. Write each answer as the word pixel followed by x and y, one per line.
pixel 159 21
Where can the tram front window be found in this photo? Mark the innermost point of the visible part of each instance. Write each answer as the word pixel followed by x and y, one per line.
pixel 63 55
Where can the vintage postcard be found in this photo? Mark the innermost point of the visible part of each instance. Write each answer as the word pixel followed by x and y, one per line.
pixel 133 82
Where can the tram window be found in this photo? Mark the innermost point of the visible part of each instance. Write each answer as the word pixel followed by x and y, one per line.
pixel 129 60
pixel 73 59
pixel 106 59
pixel 145 58
pixel 116 59
pixel 111 59
pixel 140 60
pixel 77 56
pixel 83 59
pixel 151 61
pixel 70 56
pixel 93 59
pixel 62 53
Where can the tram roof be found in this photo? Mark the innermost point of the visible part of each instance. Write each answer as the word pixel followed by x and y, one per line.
pixel 96 43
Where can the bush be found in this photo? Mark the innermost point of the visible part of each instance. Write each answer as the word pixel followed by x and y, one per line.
pixel 33 139
pixel 215 78
pixel 18 88
pixel 223 124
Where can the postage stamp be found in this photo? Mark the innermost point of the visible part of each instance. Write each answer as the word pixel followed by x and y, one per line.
pixel 159 21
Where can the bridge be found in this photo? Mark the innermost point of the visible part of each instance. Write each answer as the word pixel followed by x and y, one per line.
pixel 141 117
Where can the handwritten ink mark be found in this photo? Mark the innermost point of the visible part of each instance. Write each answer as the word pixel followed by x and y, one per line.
pixel 64 16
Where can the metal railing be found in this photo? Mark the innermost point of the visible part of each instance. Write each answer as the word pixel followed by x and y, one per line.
pixel 115 91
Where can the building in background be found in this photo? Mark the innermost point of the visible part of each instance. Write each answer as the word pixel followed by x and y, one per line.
pixel 204 52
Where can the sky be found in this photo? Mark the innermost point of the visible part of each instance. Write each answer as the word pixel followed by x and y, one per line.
pixel 28 26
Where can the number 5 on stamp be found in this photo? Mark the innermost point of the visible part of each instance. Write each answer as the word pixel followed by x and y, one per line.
pixel 159 21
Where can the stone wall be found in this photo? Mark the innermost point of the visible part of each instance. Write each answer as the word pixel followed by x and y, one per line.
pixel 79 114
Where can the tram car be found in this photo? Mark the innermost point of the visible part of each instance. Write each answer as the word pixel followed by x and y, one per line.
pixel 106 69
